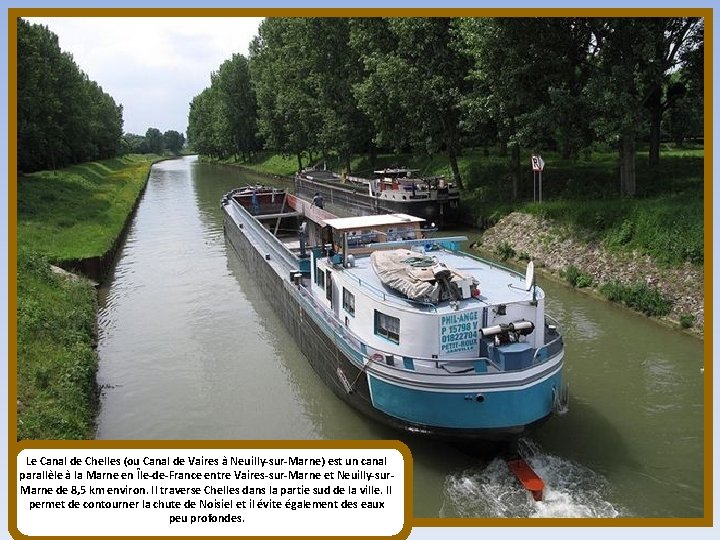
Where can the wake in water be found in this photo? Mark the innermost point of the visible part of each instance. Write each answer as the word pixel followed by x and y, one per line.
pixel 491 490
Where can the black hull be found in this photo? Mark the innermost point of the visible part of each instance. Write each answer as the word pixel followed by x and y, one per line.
pixel 357 202
pixel 328 361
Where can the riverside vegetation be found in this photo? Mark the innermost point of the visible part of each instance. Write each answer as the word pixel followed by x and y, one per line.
pixel 70 214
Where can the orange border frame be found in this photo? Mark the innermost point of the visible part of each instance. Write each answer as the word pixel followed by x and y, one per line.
pixel 14 447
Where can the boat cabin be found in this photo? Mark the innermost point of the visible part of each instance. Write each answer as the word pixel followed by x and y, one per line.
pixel 361 234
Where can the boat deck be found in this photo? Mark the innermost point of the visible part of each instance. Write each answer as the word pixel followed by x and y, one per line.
pixel 497 285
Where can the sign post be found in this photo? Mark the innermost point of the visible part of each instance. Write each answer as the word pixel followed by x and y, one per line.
pixel 537 166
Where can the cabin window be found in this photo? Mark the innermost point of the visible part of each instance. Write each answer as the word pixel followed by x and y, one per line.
pixel 320 277
pixel 387 326
pixel 348 302
pixel 328 285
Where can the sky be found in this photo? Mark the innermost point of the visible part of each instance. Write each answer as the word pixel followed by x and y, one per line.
pixel 153 66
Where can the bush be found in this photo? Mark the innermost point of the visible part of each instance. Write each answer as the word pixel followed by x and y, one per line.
pixel 687 321
pixel 577 278
pixel 620 236
pixel 505 251
pixel 648 300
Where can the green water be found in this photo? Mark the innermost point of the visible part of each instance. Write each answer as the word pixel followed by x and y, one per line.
pixel 190 349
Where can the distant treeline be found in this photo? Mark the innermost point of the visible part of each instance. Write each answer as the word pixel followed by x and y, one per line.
pixel 315 87
pixel 62 116
pixel 153 142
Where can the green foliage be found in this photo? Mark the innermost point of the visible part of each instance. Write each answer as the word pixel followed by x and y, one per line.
pixel 577 278
pixel 620 236
pixel 529 78
pixel 173 141
pixel 321 88
pixel 74 213
pixel 223 117
pixel 55 362
pixel 505 251
pixel 415 73
pixel 302 72
pixel 639 296
pixel 687 321
pixel 78 212
pixel 671 230
pixel 154 141
pixel 63 116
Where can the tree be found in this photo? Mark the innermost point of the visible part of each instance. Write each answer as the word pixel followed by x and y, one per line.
pixel 686 117
pixel 173 141
pixel 288 118
pixel 529 77
pixel 106 124
pixel 333 67
pixel 154 141
pixel 63 116
pixel 133 144
pixel 669 41
pixel 237 104
pixel 415 76
pixel 207 124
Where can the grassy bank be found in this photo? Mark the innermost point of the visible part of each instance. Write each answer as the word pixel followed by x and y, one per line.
pixel 79 211
pixel 664 220
pixel 69 214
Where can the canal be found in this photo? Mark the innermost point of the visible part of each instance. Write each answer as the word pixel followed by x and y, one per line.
pixel 190 349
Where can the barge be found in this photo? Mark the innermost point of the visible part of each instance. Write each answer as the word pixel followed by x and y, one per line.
pixel 393 190
pixel 408 330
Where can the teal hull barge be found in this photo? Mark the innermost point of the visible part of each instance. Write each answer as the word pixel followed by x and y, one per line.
pixel 406 329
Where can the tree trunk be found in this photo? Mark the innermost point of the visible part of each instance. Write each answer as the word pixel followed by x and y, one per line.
pixel 347 165
pixel 502 148
pixel 299 158
pixel 655 107
pixel 515 170
pixel 654 150
pixel 627 165
pixel 452 158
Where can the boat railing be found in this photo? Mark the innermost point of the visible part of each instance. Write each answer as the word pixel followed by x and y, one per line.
pixel 364 353
pixel 273 243
pixel 492 263
pixel 550 348
pixel 427 244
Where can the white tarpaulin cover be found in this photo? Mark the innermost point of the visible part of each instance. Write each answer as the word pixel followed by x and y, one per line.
pixel 416 275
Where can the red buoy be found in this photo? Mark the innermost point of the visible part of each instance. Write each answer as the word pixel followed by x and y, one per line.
pixel 527 477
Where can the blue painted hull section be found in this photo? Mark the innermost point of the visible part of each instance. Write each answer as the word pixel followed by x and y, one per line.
pixel 501 416
pixel 497 410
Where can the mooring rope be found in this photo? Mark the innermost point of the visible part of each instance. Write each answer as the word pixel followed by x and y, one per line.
pixel 374 358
